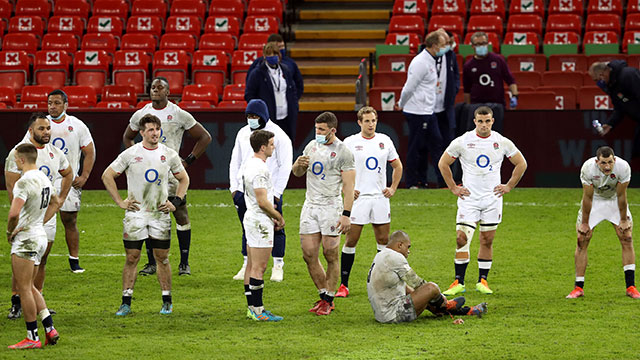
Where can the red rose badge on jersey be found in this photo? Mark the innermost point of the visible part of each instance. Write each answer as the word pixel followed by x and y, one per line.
pixel 496 146
pixel 494 64
pixel 381 146
pixel 70 128
pixel 333 154
pixel 163 158
pixel 613 176
pixel 169 117
pixel 51 154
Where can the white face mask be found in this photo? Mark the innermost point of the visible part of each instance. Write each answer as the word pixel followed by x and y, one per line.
pixel 253 123
pixel 321 139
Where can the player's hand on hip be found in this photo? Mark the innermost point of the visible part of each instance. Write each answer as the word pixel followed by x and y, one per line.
pixel 167 207
pixel 12 235
pixel 79 182
pixel 584 229
pixel 501 190
pixel 605 129
pixel 344 224
pixel 388 192
pixel 356 194
pixel 130 205
pixel 461 192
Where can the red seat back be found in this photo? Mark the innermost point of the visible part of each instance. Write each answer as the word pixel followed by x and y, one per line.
pixel 407 24
pixel 80 96
pixel 252 41
pixel 105 24
pixel 525 23
pixel 525 7
pixel 261 24
pixel 149 8
pixel 184 42
pixel 411 7
pixel 27 24
pixel 383 98
pixel 564 22
pixel 67 24
pixel 65 42
pixel 575 7
pixel 144 25
pixel 118 8
pixel 486 23
pixel 487 7
pixel 453 23
pixel 527 62
pixel 184 24
pixel 522 38
pixel 144 42
pixel 536 100
pixel 410 39
pixel 222 24
pixel 603 22
pixel 40 8
pixel 188 8
pixel 265 7
pixel 593 98
pixel 201 92
pixel 79 8
pixel 120 93
pixel 562 78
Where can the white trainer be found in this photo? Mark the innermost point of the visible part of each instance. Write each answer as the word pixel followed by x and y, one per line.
pixel 240 274
pixel 277 274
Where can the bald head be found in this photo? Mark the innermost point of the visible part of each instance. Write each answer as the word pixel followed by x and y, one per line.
pixel 397 237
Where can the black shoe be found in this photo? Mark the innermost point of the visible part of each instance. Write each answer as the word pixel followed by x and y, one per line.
pixel 184 269
pixel 75 266
pixel 148 270
pixel 15 312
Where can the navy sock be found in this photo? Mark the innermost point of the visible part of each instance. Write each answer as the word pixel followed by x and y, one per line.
pixel 346 263
pixel 166 299
pixel 629 277
pixel 47 323
pixel 15 300
pixel 152 260
pixel 328 298
pixel 32 330
pixel 256 287
pixel 461 270
pixel 126 300
pixel 184 241
pixel 580 284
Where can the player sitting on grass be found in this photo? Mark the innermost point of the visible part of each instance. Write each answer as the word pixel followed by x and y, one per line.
pixel 398 294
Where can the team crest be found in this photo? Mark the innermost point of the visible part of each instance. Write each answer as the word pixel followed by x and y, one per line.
pixel 333 154
pixel 381 146
pixel 359 148
pixel 494 64
pixel 70 128
pixel 613 176
pixel 51 154
pixel 163 158
pixel 474 69
pixel 496 146
pixel 169 117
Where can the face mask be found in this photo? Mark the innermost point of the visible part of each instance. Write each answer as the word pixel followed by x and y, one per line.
pixel 601 84
pixel 321 139
pixel 59 116
pixel 283 52
pixel 272 60
pixel 253 123
pixel 482 50
pixel 443 51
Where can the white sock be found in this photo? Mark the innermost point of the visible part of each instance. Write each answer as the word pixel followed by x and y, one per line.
pixel 579 278
pixel 166 292
pixel 244 264
pixel 348 250
pixel 629 267
pixel 381 247
pixel 278 260
pixel 73 257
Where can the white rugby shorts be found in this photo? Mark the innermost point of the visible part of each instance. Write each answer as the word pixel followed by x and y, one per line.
pixel 486 210
pixel 320 219
pixel 141 225
pixel 73 200
pixel 603 209
pixel 50 228
pixel 258 230
pixel 371 210
pixel 29 246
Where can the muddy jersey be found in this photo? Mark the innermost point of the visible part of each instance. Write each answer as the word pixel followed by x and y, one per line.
pixel 50 161
pixel 604 186
pixel 174 123
pixel 371 157
pixel 324 174
pixel 256 175
pixel 36 190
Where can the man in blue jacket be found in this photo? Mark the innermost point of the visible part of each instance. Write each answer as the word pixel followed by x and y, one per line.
pixel 272 81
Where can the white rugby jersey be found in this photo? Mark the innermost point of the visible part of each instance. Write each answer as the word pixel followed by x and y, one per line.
pixel 605 186
pixel 36 190
pixel 324 174
pixel 148 173
pixel 174 123
pixel 50 161
pixel 481 159
pixel 371 156
pixel 279 163
pixel 256 176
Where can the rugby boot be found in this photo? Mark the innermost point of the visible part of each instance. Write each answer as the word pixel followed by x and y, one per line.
pixel 455 288
pixel 483 287
pixel 578 292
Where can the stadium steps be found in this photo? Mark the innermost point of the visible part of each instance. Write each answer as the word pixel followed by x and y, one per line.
pixel 329 39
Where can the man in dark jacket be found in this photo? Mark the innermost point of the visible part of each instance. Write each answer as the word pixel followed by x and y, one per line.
pixel 447 117
pixel 622 84
pixel 273 83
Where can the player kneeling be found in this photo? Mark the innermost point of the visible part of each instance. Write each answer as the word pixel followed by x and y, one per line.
pixel 398 294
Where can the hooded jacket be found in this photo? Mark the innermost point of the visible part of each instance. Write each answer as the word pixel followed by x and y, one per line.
pixel 624 90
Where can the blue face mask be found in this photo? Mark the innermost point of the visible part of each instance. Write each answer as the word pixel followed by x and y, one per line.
pixel 601 84
pixel 272 60
pixel 443 51
pixel 482 50
pixel 283 52
pixel 321 139
pixel 253 123
pixel 59 116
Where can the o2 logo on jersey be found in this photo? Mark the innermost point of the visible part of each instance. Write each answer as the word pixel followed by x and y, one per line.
pixel 485 80
pixel 605 188
pixel 483 161
pixel 152 176
pixel 60 144
pixel 317 169
pixel 372 164
pixel 163 139
pixel 45 170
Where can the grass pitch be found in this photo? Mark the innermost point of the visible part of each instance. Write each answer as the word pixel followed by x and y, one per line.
pixel 528 314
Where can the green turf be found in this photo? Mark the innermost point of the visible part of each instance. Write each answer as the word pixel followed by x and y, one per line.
pixel 528 314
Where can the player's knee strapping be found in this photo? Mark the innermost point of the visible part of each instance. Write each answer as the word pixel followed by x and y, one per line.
pixel 488 227
pixel 468 229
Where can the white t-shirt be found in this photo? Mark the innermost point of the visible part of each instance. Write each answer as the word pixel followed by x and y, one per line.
pixel 174 123
pixel 50 161
pixel 279 91
pixel 279 163
pixel 481 159
pixel 36 190
pixel 371 156
pixel 604 187
pixel 148 173
pixel 324 174
pixel 256 176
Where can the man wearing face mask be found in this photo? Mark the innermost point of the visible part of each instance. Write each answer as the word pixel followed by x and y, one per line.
pixel 482 79
pixel 417 102
pixel 273 83
pixel 279 165
pixel 622 84
pixel 449 84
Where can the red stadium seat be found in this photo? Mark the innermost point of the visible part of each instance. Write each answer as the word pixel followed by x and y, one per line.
pixel 14 69
pixel 118 8
pixel 411 7
pixel 383 98
pixel 449 7
pixel 605 7
pixel 130 67
pixel 64 42
pixel 487 7
pixel 261 24
pixel 51 68
pixel 201 92
pixel 394 62
pixel 562 78
pixel 486 23
pixel 604 58
pixel 526 7
pixel 189 8
pixel 493 40
pixel 226 8
pixel 234 92
pixel 633 7
pixel 527 78
pixel 564 22
pixel 144 42
pixel 184 42
pixel 410 39
pixel 40 8
pixel 633 60
pixel 224 42
pixel 525 23
pixel 453 23
pixel 566 96
pixel 105 25
pixel 265 7
pixel 194 104
pixel 233 104
pixel 79 8
pixel 185 24
pixel 593 98
pixel 630 37
pixel 113 105
pixel 80 96
pixel 91 68
pixel 210 67
pixel 67 24
pixel 223 25
pixel 522 38
pixel 27 24
pixel 172 65
pixel 149 8
pixel 407 24
pixel 536 100
pixel 632 22
pixel 25 42
pixel 240 63
pixel 100 41
pixel 252 41
pixel 120 93
pixel 144 25
pixel 527 62
pixel 35 94
pixel 575 7
pixel 142 103
pixel 600 37
pixel 603 22
pixel 389 78
pixel 6 8
pixel 561 38
pixel 567 62
pixel 7 96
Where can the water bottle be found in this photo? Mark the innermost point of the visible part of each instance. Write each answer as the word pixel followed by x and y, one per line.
pixel 596 124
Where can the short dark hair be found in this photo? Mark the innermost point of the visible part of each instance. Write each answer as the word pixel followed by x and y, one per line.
pixel 161 78
pixel 65 98
pixel 28 151
pixel 432 39
pixel 483 110
pixel 604 152
pixel 328 118
pixel 149 119
pixel 260 138
pixel 275 38
pixel 35 116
